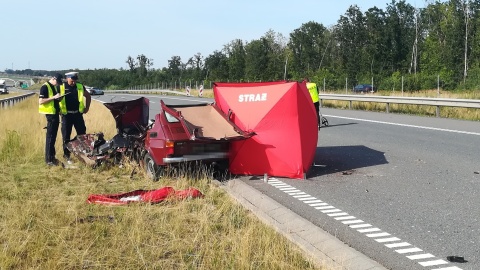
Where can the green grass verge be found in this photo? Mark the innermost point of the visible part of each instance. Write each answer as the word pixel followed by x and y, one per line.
pixel 45 222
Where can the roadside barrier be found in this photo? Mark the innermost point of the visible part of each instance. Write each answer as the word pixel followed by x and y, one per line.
pixel 188 90
pixel 436 102
pixel 6 102
pixel 200 91
pixel 147 91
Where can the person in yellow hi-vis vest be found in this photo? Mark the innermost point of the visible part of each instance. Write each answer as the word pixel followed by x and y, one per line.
pixel 313 90
pixel 48 105
pixel 72 108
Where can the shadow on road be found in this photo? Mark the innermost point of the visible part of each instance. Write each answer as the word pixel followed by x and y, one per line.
pixel 344 159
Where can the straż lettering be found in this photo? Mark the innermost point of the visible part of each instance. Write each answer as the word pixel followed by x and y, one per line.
pixel 252 97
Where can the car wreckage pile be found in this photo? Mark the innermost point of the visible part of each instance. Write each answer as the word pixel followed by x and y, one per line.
pixel 251 129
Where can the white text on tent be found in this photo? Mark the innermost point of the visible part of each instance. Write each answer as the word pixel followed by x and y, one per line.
pixel 252 97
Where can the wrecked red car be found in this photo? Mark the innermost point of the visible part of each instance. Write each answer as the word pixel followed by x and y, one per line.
pixel 186 133
pixel 178 134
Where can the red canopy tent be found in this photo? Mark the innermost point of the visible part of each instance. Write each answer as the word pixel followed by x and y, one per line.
pixel 283 117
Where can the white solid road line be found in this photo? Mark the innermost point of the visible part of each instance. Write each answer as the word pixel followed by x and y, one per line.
pixel 406 125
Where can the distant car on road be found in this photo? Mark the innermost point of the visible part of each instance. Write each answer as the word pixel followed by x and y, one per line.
pixel 94 91
pixel 3 87
pixel 364 88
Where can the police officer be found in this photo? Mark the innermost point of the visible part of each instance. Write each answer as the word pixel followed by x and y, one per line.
pixel 313 90
pixel 72 108
pixel 48 104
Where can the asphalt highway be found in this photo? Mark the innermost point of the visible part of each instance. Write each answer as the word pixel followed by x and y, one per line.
pixel 403 190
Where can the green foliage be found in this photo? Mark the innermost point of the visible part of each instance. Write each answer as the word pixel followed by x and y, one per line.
pixel 175 67
pixel 256 59
pixel 393 83
pixel 216 66
pixel 235 51
pixel 322 76
pixel 473 79
pixel 307 44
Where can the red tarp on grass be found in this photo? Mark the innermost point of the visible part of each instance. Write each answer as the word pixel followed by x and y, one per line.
pixel 284 119
pixel 148 196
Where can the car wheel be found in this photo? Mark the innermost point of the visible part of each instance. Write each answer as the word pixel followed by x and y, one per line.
pixel 152 170
pixel 220 170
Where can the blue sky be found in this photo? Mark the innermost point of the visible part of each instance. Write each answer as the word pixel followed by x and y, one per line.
pixel 93 34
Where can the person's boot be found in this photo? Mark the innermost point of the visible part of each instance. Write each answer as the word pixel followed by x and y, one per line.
pixel 54 162
pixel 68 160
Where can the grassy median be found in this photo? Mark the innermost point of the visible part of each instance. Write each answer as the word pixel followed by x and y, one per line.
pixel 45 222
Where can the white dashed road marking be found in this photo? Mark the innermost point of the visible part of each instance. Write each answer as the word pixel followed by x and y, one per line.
pixel 421 256
pixel 385 238
pixel 408 250
pixel 432 263
pixel 448 268
pixel 360 226
pixel 382 234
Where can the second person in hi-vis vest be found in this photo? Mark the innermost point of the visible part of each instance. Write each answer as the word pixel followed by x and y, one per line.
pixel 48 104
pixel 313 90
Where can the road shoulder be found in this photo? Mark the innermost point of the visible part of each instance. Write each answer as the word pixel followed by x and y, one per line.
pixel 324 249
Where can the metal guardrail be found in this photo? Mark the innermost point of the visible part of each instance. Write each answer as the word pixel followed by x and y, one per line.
pixel 6 102
pixel 12 100
pixel 159 91
pixel 437 102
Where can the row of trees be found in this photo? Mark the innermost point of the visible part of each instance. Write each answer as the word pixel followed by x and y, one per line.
pixel 401 43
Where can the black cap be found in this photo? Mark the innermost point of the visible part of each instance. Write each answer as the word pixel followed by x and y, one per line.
pixel 58 77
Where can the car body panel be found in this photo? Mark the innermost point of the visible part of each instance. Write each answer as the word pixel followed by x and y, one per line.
pixel 191 133
pixel 130 116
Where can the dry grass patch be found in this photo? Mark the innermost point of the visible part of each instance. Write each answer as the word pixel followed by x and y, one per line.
pixel 45 222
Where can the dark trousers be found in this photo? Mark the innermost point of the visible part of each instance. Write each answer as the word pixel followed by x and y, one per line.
pixel 52 130
pixel 70 120
pixel 317 109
